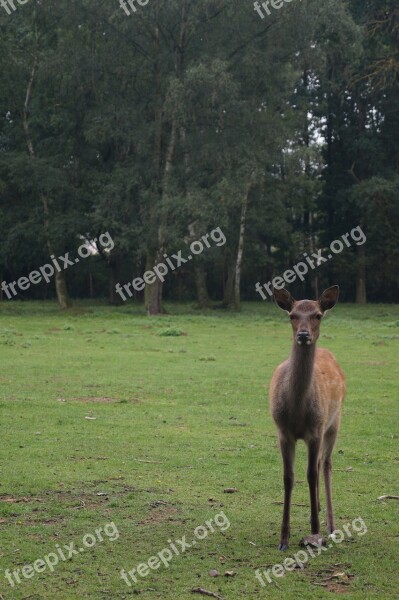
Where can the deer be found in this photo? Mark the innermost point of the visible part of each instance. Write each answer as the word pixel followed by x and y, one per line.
pixel 306 395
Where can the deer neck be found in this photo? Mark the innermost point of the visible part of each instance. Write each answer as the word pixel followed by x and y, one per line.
pixel 301 368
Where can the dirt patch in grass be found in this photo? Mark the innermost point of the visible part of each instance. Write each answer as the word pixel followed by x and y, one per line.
pixel 336 579
pixel 159 515
pixel 81 499
pixel 36 520
pixel 337 587
pixel 103 400
pixel 12 499
pixel 74 500
pixel 96 399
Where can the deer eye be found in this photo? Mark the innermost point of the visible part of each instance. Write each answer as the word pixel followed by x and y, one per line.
pixel 318 317
pixel 293 317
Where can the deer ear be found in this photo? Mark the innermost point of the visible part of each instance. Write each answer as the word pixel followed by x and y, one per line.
pixel 329 298
pixel 283 299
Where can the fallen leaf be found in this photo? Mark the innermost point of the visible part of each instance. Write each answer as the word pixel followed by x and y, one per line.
pixel 230 490
pixel 229 573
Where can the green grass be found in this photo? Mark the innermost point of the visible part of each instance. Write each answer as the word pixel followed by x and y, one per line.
pixel 176 418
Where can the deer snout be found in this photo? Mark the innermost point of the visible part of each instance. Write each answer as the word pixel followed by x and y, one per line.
pixel 303 337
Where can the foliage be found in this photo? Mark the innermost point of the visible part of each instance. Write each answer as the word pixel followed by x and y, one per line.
pixel 157 126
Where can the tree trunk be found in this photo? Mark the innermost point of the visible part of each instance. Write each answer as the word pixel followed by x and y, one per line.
pixel 153 292
pixel 330 171
pixel 200 283
pixel 155 298
pixel 237 274
pixel 91 289
pixel 228 295
pixel 149 263
pixel 157 105
pixel 61 289
pixel 114 277
pixel 199 269
pixel 361 297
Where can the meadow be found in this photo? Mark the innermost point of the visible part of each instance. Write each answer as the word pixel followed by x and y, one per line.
pixel 159 424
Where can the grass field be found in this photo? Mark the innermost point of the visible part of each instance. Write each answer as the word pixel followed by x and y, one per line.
pixel 104 420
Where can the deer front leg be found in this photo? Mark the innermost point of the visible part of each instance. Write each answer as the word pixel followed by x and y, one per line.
pixel 318 487
pixel 313 479
pixel 327 479
pixel 329 442
pixel 287 447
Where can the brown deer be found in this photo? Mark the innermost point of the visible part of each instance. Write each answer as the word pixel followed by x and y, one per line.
pixel 306 394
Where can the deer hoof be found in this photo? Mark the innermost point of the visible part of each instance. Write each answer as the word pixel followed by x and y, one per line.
pixel 282 546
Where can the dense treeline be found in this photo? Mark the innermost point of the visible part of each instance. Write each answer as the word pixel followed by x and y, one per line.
pixel 185 116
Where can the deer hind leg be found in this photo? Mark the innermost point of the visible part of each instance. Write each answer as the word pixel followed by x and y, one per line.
pixel 287 447
pixel 329 442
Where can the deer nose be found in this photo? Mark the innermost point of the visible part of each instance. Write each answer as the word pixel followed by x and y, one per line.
pixel 303 336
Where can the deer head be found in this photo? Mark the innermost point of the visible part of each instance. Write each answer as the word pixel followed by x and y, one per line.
pixel 306 315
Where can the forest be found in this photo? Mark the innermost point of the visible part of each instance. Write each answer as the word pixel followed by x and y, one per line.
pixel 157 125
